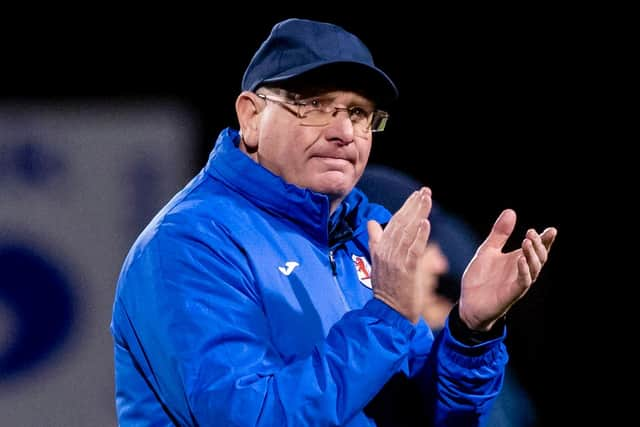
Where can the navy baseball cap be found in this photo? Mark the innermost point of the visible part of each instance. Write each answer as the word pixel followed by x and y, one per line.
pixel 301 47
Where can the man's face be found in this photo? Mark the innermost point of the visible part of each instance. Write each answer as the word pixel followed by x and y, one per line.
pixel 327 158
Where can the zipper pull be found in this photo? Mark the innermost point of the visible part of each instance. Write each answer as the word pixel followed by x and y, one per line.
pixel 332 261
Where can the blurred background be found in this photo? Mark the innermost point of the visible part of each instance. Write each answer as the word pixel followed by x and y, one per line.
pixel 100 123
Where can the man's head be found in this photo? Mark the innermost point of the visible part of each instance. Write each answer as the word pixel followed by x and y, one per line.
pixel 311 100
pixel 311 52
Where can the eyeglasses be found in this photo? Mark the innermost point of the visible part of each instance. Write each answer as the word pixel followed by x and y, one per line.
pixel 319 111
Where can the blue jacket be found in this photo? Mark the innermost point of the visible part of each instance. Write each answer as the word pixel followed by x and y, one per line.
pixel 243 303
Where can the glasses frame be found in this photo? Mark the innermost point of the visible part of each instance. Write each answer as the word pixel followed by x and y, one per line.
pixel 375 116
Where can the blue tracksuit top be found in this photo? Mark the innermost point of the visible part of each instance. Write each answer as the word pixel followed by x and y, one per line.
pixel 243 303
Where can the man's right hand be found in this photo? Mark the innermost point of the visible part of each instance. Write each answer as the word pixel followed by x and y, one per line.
pixel 395 255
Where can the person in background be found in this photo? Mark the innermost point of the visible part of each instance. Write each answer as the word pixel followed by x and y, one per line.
pixel 452 244
pixel 270 292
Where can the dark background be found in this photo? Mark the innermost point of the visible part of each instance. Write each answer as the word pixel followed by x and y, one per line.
pixel 492 109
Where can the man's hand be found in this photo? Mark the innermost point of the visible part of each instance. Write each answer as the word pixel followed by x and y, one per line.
pixel 493 281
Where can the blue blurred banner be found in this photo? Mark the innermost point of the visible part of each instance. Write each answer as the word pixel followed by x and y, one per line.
pixel 78 181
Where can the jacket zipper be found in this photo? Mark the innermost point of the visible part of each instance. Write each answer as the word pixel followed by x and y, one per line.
pixel 334 270
pixel 332 261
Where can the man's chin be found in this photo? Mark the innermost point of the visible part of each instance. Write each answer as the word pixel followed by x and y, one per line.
pixel 334 189
pixel 333 183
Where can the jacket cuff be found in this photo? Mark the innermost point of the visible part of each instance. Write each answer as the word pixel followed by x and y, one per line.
pixel 462 333
pixel 379 309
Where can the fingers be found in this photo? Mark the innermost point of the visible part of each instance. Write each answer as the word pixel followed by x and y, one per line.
pixel 548 236
pixel 538 247
pixel 417 205
pixel 416 232
pixel 524 273
pixel 418 218
pixel 404 224
pixel 419 245
pixel 501 230
pixel 533 260
pixel 536 250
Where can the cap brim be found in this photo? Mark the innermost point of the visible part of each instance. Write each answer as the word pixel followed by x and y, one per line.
pixel 352 75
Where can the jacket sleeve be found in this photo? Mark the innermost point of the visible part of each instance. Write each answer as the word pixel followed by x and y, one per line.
pixel 444 383
pixel 206 343
pixel 460 381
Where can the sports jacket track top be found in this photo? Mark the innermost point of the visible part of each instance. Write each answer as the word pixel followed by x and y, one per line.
pixel 243 303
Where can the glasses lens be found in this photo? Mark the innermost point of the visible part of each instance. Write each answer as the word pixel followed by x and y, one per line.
pixel 362 123
pixel 314 117
pixel 379 121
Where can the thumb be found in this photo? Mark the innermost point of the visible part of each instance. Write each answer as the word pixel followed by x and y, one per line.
pixel 375 233
pixel 501 230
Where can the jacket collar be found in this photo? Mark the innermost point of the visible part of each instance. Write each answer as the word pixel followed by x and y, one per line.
pixel 269 192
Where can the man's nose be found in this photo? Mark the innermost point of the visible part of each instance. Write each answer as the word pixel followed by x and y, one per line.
pixel 340 126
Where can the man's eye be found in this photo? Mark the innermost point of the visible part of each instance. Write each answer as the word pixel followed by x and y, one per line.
pixel 318 103
pixel 358 111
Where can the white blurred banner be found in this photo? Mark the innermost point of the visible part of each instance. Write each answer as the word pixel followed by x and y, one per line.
pixel 78 182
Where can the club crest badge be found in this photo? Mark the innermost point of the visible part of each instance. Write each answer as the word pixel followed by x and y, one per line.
pixel 363 268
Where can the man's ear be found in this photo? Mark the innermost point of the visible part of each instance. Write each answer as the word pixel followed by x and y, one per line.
pixel 248 109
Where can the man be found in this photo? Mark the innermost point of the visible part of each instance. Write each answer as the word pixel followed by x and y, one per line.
pixel 268 293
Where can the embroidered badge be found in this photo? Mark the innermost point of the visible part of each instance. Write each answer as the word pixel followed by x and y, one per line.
pixel 363 268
